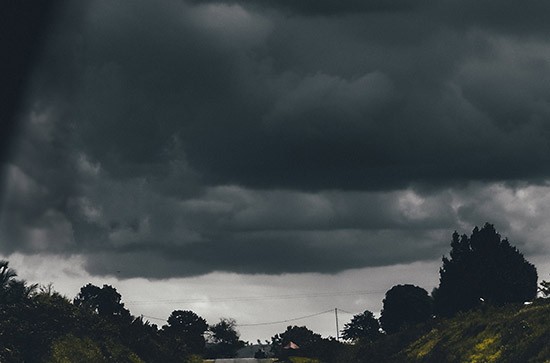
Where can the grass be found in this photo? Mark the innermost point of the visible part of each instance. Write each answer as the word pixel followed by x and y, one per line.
pixel 510 334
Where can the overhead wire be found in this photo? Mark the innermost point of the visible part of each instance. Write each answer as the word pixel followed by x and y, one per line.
pixel 347 312
pixel 251 298
pixel 152 317
pixel 270 322
pixel 287 320
pixel 257 298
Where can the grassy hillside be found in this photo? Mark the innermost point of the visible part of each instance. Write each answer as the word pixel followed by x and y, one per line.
pixel 509 334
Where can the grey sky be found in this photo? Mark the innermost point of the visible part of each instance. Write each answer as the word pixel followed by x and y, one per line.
pixel 174 139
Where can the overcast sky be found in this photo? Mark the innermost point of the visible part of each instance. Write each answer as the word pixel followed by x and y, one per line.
pixel 265 160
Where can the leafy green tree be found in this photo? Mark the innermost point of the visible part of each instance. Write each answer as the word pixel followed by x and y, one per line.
pixel 144 339
pixel 6 274
pixel 184 334
pixel 77 350
pixel 83 350
pixel 13 290
pixel 307 341
pixel 43 326
pixel 405 305
pixel 29 327
pixel 362 326
pixel 308 344
pixel 483 268
pixel 105 301
pixel 224 339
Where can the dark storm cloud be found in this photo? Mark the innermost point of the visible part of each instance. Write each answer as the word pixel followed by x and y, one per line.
pixel 269 253
pixel 508 16
pixel 23 26
pixel 22 29
pixel 254 137
pixel 329 7
pixel 347 102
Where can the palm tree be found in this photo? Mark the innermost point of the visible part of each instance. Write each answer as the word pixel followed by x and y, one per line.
pixel 12 290
pixel 6 274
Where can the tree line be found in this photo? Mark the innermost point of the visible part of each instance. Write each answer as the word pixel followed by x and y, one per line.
pixel 482 269
pixel 38 324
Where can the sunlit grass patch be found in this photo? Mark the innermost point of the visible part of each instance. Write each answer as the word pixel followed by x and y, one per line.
pixel 423 346
pixel 486 351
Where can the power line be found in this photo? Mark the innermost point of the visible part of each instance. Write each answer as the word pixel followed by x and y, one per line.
pixel 252 298
pixel 347 312
pixel 288 320
pixel 270 322
pixel 152 317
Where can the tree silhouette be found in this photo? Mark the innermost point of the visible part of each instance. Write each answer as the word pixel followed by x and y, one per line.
pixel 307 341
pixel 224 339
pixel 185 333
pixel 483 268
pixel 143 338
pixel 362 326
pixel 13 290
pixel 105 301
pixel 6 274
pixel 405 305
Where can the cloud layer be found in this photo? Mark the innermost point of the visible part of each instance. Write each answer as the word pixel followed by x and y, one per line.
pixel 270 137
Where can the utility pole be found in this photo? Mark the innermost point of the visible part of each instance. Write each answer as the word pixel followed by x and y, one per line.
pixel 337 330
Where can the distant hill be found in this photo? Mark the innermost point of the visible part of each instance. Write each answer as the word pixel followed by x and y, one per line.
pixel 514 333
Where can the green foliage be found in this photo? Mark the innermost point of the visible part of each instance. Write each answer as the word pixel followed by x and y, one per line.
pixel 6 274
pixel 387 348
pixel 307 341
pixel 363 326
pixel 194 358
pixel 144 339
pixel 303 360
pixel 330 350
pixel 310 345
pixel 105 301
pixel 29 327
pixel 483 268
pixel 44 326
pixel 184 334
pixel 509 334
pixel 71 349
pixel 405 305
pixel 12 290
pixel 224 339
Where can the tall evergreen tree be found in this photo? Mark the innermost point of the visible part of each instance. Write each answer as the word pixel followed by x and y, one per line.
pixel 483 268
